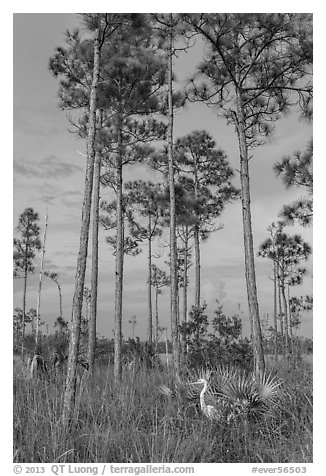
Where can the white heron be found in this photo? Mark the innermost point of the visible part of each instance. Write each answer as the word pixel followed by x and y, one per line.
pixel 209 411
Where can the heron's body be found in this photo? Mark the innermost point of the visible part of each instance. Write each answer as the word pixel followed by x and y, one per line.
pixel 208 410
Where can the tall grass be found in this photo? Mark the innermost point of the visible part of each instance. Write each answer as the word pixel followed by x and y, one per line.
pixel 136 424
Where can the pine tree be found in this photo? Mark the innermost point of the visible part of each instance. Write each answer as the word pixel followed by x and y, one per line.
pixel 202 189
pixel 144 200
pixel 24 253
pixel 273 230
pixel 108 221
pixel 79 68
pixel 206 174
pixel 37 317
pixel 296 171
pixel 78 88
pixel 168 29
pixel 133 96
pixel 256 66
pixel 287 252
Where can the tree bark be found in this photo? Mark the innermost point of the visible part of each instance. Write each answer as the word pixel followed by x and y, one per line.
pixel 275 310
pixel 173 238
pixel 156 316
pixel 197 266
pixel 94 271
pixel 259 361
pixel 286 320
pixel 119 263
pixel 290 319
pixel 185 289
pixel 197 244
pixel 70 391
pixel 280 311
pixel 24 310
pixel 166 348
pixel 150 310
pixel 185 279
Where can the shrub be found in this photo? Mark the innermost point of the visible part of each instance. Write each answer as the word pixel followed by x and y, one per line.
pixel 222 346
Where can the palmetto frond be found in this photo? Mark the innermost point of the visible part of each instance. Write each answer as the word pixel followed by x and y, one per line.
pixel 178 391
pixel 244 392
pixel 228 393
pixel 268 387
pixel 234 384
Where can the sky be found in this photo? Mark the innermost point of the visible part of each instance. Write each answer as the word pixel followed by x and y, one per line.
pixel 49 167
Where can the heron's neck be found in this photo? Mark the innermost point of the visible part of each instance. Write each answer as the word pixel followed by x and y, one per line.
pixel 202 393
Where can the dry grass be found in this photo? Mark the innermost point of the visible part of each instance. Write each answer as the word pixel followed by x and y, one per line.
pixel 136 424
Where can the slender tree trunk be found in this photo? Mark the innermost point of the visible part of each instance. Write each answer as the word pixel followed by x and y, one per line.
pixel 119 263
pixel 197 244
pixel 178 305
pixel 40 282
pixel 290 318
pixel 281 314
pixel 156 317
pixel 185 289
pixel 197 266
pixel 259 360
pixel 166 348
pixel 60 299
pixel 24 311
pixel 275 309
pixel 150 310
pixel 94 271
pixel 70 391
pixel 185 280
pixel 173 238
pixel 286 321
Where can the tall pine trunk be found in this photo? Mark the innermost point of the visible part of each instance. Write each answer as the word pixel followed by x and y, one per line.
pixel 24 310
pixel 185 279
pixel 290 317
pixel 119 263
pixel 197 244
pixel 286 319
pixel 275 310
pixel 94 271
pixel 185 288
pixel 156 317
pixel 173 238
pixel 70 391
pixel 280 311
pixel 197 266
pixel 259 361
pixel 150 310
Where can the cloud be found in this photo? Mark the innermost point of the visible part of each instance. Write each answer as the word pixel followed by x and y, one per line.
pixel 49 265
pixel 49 167
pixel 212 290
pixel 71 198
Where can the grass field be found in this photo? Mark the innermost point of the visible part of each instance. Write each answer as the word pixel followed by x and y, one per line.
pixel 136 424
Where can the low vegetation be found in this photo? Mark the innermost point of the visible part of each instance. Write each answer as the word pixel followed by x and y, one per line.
pixel 135 423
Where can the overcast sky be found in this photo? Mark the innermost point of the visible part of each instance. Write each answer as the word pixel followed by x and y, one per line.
pixel 49 172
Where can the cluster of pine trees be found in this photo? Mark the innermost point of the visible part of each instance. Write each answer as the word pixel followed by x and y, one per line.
pixel 117 80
